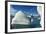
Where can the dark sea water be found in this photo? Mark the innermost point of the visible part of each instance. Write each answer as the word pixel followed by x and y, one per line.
pixel 18 26
pixel 34 24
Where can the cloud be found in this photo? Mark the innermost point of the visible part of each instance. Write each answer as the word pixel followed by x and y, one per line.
pixel 12 11
pixel 39 9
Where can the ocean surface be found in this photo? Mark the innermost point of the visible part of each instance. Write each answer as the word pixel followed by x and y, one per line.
pixel 34 24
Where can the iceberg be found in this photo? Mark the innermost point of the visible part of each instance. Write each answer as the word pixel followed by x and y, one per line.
pixel 20 18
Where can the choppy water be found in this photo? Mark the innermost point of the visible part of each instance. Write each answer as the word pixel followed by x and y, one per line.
pixel 34 24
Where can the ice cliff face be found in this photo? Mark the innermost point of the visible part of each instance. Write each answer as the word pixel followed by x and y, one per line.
pixel 20 18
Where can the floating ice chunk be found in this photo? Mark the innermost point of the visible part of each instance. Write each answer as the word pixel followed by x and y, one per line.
pixel 39 18
pixel 31 20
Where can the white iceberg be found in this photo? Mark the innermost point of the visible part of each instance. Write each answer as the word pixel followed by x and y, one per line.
pixel 20 18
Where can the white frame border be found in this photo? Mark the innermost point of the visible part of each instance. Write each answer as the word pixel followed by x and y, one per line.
pixel 27 29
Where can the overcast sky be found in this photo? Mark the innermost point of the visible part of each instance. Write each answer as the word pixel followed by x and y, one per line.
pixel 25 9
